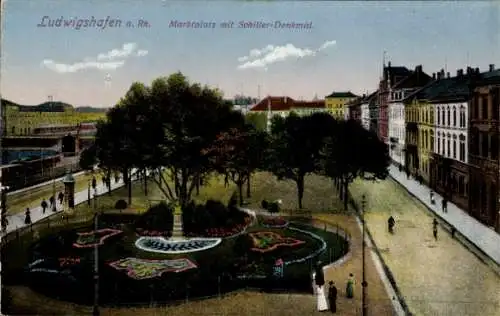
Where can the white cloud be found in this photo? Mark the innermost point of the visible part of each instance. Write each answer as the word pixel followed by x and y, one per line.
pixel 110 60
pixel 261 58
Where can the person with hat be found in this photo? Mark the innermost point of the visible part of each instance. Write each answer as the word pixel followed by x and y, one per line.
pixel 332 296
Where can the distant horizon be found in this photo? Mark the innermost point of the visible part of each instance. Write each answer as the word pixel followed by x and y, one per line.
pixel 88 53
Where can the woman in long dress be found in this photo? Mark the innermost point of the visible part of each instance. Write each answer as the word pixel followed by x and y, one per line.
pixel 319 287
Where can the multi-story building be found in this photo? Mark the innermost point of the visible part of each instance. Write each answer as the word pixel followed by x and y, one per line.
pixel 450 158
pixel 484 148
pixel 354 109
pixel 396 123
pixel 373 112
pixel 391 75
pixel 365 110
pixel 283 106
pixel 336 103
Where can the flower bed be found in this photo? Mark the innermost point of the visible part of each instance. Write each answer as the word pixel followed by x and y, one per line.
pixel 162 245
pixel 224 232
pixel 268 241
pixel 95 237
pixel 140 269
pixel 68 261
pixel 153 233
pixel 273 222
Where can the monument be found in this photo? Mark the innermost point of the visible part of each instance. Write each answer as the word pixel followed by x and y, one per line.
pixel 177 227
pixel 69 193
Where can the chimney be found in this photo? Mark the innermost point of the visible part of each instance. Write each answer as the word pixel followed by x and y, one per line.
pixel 469 70
pixel 442 73
pixel 418 68
pixel 477 71
pixel 438 75
pixel 460 72
pixel 492 67
pixel 433 76
pixel 448 74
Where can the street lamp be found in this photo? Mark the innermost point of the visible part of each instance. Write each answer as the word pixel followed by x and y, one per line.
pixel 95 309
pixel 364 284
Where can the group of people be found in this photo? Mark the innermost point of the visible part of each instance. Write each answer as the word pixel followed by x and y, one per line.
pixel 52 202
pixel 327 298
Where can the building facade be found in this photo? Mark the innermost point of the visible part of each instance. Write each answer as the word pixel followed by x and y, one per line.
pixel 391 75
pixel 283 106
pixel 366 110
pixel 336 103
pixel 373 111
pixel 354 110
pixel 396 112
pixel 450 159
pixel 484 150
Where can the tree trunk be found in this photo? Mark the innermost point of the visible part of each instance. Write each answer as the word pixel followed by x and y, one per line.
pixel 108 181
pixel 300 189
pixel 248 187
pixel 145 183
pixel 341 192
pixel 198 187
pixel 346 196
pixel 129 184
pixel 240 191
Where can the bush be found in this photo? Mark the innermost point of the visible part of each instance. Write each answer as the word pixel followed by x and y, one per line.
pixel 233 201
pixel 121 205
pixel 159 217
pixel 264 204
pixel 274 207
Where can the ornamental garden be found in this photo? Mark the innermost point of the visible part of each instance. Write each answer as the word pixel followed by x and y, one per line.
pixel 224 248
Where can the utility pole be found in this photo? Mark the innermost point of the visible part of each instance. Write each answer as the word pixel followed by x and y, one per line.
pixel 54 207
pixel 364 284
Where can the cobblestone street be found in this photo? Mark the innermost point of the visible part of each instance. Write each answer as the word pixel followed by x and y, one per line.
pixel 436 277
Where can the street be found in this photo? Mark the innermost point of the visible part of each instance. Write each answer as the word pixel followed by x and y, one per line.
pixel 436 277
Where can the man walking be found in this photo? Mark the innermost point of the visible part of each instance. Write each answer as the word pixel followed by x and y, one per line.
pixel 332 297
pixel 444 205
pixel 44 206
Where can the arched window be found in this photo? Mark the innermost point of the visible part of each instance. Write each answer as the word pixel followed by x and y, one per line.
pixel 439 144
pixel 454 116
pixel 454 149
pixel 442 116
pixel 449 116
pixel 438 116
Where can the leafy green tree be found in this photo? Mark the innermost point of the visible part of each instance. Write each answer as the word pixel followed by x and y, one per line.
pixel 88 158
pixel 258 120
pixel 351 152
pixel 296 143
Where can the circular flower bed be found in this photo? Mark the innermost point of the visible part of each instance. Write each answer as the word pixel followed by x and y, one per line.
pixel 161 245
pixel 273 222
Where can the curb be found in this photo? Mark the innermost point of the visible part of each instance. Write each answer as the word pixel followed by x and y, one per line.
pixel 461 238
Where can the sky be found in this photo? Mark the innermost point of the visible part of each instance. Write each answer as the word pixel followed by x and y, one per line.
pixel 47 50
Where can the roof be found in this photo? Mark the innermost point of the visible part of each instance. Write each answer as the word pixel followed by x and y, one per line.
pixel 431 89
pixel 284 103
pixel 415 79
pixel 347 94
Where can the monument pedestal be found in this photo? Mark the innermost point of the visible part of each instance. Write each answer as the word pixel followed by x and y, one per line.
pixel 177 231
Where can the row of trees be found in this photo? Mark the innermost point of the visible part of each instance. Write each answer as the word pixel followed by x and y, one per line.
pixel 191 132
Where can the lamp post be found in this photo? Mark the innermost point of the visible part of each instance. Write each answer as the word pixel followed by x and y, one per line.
pixel 95 309
pixel 88 193
pixel 364 284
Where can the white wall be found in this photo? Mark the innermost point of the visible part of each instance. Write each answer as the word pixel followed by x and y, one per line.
pixel 365 116
pixel 455 131
pixel 397 129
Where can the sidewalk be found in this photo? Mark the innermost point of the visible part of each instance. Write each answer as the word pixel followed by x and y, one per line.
pixel 483 237
pixel 16 221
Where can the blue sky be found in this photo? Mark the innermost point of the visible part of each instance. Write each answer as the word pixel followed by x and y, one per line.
pixel 429 33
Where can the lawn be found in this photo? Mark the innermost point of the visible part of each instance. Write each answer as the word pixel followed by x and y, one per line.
pixel 319 194
pixel 32 198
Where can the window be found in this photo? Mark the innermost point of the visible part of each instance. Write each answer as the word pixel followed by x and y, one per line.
pixel 454 149
pixel 448 112
pixel 13 130
pixel 442 116
pixel 426 137
pixel 494 104
pixel 484 145
pixel 432 142
pixel 461 156
pixel 484 107
pixel 438 116
pixel 494 147
pixel 475 106
pixel 448 153
pixel 439 145
pixel 443 149
pixel 462 116
pixel 454 116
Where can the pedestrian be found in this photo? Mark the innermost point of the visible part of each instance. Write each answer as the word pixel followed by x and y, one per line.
pixel 431 195
pixel 444 205
pixel 453 231
pixel 44 206
pixel 61 197
pixel 94 183
pixel 27 218
pixel 332 297
pixel 350 286
pixel 319 283
pixel 435 229
pixel 52 199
